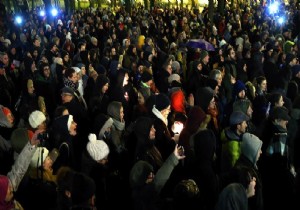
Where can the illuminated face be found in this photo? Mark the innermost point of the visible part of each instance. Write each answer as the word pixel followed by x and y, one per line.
pixel 263 85
pixel 46 72
pixel 249 111
pixel 5 59
pixel 241 128
pixel 74 77
pixel 73 128
pixel 104 88
pixel 126 78
pixel 47 164
pixel 232 55
pixel 141 99
pixel 165 112
pixel 280 102
pixel 65 98
pixel 121 114
pixel 30 89
pixel 242 94
pixel 152 133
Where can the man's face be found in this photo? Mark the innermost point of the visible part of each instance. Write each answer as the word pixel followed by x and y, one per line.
pixel 5 59
pixel 241 128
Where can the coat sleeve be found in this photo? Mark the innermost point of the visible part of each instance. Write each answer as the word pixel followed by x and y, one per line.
pixel 163 174
pixel 21 165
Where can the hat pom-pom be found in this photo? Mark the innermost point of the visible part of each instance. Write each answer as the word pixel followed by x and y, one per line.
pixel 92 137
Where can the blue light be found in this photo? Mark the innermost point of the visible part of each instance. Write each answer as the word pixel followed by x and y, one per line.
pixel 19 19
pixel 280 20
pixel 54 12
pixel 42 13
pixel 273 8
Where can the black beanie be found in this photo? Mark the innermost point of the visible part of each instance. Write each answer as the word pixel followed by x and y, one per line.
pixel 162 101
pixel 146 76
pixel 203 97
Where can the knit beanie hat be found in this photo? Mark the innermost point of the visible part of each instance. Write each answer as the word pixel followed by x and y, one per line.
pixel 238 87
pixel 203 97
pixel 39 157
pixel 139 173
pixel 101 123
pixel 36 118
pixel 97 149
pixel 250 146
pixel 173 77
pixel 241 105
pixel 161 101
pixel 4 111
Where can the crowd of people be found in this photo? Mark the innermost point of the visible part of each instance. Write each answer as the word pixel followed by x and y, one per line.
pixel 102 109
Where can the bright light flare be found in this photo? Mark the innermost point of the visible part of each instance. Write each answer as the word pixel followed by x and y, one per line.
pixel 19 20
pixel 54 12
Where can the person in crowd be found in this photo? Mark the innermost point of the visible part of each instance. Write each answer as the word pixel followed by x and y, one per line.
pixel 277 161
pixel 6 152
pixel 231 140
pixel 75 190
pixel 94 163
pixel 41 187
pixel 9 184
pixel 61 133
pixel 146 185
pixel 20 136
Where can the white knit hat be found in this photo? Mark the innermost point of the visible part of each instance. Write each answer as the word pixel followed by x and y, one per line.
pixel 97 149
pixel 39 157
pixel 36 118
pixel 173 77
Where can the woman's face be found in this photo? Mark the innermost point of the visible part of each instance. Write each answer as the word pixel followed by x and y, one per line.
pixel 141 99
pixel 104 88
pixel 121 114
pixel 152 133
pixel 280 102
pixel 47 165
pixel 73 128
pixel 263 85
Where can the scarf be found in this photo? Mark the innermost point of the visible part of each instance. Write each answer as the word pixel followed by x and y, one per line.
pixel 159 115
pixel 119 125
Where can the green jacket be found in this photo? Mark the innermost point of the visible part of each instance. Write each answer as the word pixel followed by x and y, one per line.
pixel 231 149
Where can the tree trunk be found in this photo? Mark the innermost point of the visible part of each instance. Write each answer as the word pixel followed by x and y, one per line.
pixel 221 6
pixel 211 10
